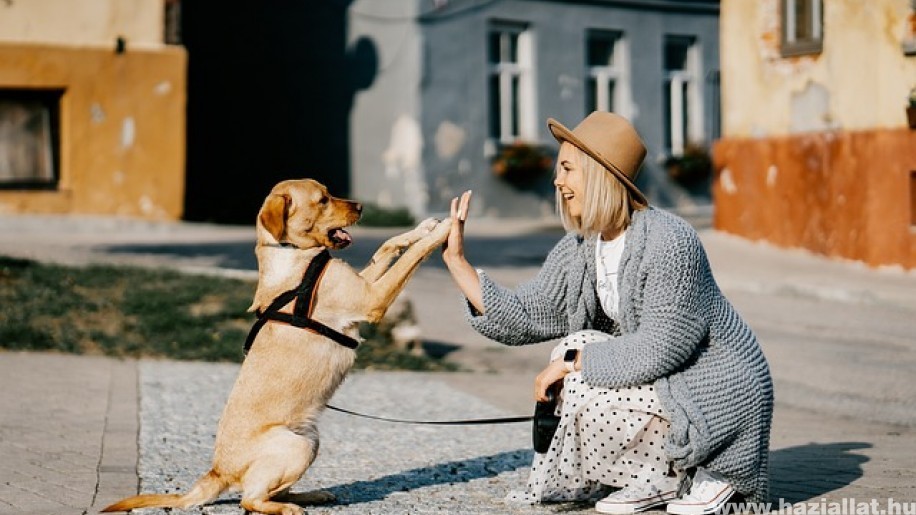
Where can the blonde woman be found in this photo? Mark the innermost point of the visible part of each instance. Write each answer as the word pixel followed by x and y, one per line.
pixel 666 396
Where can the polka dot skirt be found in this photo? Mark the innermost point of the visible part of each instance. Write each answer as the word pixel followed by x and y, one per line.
pixel 613 437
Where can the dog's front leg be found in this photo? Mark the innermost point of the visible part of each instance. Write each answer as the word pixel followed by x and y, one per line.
pixel 391 249
pixel 383 291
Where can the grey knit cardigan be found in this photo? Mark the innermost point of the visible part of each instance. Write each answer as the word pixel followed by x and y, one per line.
pixel 675 330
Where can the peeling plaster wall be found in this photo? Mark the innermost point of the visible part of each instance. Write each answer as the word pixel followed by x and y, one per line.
pixel 816 153
pixel 386 140
pixel 843 194
pixel 860 81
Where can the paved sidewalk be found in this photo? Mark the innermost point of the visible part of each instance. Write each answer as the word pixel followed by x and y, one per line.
pixel 839 337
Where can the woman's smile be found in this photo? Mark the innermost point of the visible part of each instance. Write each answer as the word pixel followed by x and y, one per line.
pixel 570 179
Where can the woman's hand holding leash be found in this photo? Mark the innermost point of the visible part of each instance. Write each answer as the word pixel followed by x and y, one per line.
pixel 554 373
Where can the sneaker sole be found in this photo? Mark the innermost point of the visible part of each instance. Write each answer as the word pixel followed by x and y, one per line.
pixel 701 509
pixel 621 509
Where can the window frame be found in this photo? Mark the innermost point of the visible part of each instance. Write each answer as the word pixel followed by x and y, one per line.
pixel 50 98
pixel 604 75
pixel 791 46
pixel 517 119
pixel 680 133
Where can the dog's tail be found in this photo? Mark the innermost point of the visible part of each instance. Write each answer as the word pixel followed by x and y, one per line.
pixel 205 490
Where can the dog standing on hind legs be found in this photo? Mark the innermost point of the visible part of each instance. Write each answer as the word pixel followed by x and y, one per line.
pixel 267 435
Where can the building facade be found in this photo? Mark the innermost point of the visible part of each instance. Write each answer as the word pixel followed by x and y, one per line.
pixel 92 110
pixel 458 93
pixel 816 152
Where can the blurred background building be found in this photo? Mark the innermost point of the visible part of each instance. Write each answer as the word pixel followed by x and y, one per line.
pixel 401 103
pixel 461 90
pixel 167 109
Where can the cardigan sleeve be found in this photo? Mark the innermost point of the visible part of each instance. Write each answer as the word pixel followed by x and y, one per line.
pixel 533 312
pixel 671 324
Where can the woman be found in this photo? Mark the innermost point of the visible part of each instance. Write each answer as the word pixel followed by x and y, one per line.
pixel 666 395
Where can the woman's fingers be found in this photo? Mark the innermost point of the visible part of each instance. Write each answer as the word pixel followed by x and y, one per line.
pixel 554 372
pixel 464 205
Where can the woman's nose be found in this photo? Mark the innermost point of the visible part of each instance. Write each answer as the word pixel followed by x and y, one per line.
pixel 558 179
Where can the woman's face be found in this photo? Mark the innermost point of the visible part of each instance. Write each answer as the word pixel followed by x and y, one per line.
pixel 570 179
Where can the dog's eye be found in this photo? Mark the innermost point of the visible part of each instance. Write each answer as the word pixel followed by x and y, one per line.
pixel 323 200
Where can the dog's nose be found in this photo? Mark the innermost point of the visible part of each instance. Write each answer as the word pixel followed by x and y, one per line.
pixel 359 207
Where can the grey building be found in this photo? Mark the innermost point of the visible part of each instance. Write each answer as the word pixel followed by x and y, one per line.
pixel 450 84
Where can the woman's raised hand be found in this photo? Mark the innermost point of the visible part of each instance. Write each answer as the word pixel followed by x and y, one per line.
pixel 453 250
pixel 463 273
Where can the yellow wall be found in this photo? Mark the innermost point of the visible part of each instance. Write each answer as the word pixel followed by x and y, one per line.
pixel 122 132
pixel 860 81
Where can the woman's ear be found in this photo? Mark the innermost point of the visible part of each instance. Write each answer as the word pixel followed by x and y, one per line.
pixel 273 215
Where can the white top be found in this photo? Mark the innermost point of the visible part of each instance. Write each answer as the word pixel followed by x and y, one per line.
pixel 607 261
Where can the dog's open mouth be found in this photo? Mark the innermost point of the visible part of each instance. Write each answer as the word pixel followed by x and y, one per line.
pixel 340 238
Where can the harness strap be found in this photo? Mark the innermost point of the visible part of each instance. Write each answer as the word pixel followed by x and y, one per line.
pixel 304 295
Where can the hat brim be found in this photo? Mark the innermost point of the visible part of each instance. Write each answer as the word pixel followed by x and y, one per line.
pixel 561 133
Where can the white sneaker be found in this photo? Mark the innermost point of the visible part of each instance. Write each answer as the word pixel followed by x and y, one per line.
pixel 635 499
pixel 708 494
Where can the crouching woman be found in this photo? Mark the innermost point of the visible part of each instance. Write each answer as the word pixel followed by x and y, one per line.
pixel 666 397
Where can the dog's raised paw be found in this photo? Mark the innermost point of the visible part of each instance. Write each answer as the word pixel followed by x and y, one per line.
pixel 428 225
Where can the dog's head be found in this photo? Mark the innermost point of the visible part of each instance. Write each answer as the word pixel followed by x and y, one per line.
pixel 301 212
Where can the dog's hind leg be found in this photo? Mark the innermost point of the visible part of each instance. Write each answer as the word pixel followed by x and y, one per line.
pixel 282 457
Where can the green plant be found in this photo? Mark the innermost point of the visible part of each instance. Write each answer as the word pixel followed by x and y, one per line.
pixel 913 97
pixel 690 168
pixel 522 163
pixel 138 312
pixel 377 216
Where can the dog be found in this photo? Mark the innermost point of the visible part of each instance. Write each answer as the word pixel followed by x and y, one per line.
pixel 267 436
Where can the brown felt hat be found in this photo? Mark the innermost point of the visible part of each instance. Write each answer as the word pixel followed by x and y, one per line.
pixel 609 139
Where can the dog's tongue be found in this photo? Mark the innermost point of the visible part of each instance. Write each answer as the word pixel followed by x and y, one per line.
pixel 342 236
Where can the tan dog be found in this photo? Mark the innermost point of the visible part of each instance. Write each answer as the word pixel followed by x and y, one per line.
pixel 267 436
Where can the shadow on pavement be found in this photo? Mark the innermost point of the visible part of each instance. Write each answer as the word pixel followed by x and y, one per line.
pixel 522 250
pixel 443 473
pixel 234 255
pixel 805 472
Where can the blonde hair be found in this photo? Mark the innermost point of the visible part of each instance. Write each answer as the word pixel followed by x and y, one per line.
pixel 608 204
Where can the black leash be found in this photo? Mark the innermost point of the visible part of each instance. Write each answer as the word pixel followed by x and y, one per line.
pixel 470 422
pixel 302 311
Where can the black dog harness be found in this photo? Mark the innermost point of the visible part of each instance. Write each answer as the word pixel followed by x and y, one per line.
pixel 304 295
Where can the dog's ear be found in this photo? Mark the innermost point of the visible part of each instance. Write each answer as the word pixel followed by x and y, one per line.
pixel 273 215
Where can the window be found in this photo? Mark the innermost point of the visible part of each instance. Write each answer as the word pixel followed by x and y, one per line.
pixel 29 138
pixel 173 22
pixel 511 87
pixel 802 23
pixel 682 98
pixel 607 84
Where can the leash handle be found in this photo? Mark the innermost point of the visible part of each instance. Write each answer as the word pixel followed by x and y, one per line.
pixel 468 422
